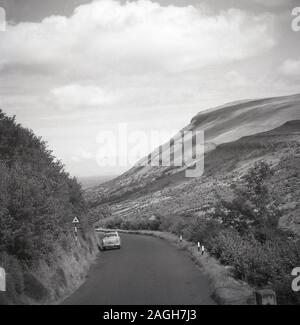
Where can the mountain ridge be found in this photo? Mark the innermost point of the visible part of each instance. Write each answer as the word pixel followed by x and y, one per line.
pixel 139 187
pixel 234 113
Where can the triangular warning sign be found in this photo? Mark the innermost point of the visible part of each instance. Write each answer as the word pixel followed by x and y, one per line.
pixel 75 220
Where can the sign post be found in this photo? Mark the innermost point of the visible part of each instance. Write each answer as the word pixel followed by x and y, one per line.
pixel 75 223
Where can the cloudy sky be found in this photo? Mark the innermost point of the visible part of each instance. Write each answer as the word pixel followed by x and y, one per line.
pixel 72 69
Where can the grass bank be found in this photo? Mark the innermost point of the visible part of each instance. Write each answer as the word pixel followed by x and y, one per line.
pixel 50 282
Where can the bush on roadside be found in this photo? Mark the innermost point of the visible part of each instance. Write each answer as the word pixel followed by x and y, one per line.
pixel 34 288
pixel 266 264
pixel 131 224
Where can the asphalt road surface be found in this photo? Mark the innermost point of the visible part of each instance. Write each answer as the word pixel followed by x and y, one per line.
pixel 145 271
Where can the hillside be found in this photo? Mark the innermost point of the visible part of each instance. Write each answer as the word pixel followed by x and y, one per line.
pixel 226 124
pixel 38 201
pixel 223 124
pixel 245 208
pixel 175 195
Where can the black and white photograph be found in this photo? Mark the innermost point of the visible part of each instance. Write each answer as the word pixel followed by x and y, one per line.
pixel 149 155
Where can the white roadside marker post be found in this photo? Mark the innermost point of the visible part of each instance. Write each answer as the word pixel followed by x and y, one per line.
pixel 2 279
pixel 198 246
pixel 76 237
pixel 180 238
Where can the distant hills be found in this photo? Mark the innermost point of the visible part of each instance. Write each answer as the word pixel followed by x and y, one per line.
pixel 91 181
pixel 237 135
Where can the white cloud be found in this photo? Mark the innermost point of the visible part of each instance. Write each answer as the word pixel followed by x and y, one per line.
pixel 291 68
pixel 106 37
pixel 235 79
pixel 75 96
pixel 82 155
pixel 273 3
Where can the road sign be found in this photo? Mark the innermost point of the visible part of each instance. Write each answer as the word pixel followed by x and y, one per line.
pixel 75 220
pixel 2 279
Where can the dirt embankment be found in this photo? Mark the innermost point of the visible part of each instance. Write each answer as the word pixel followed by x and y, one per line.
pixel 72 268
pixel 52 281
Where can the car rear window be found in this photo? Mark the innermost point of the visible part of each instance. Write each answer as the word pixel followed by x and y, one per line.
pixel 111 235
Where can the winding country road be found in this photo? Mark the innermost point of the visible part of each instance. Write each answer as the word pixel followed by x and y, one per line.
pixel 146 271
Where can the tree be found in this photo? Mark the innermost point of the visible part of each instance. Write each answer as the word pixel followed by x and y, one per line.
pixel 252 209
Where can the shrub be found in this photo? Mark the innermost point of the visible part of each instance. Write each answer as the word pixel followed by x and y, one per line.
pixel 204 231
pixel 34 288
pixel 260 264
pixel 113 222
pixel 244 234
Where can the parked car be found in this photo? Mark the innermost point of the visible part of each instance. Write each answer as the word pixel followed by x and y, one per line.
pixel 111 240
